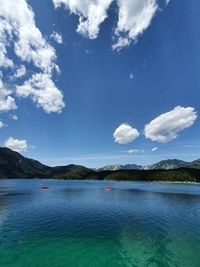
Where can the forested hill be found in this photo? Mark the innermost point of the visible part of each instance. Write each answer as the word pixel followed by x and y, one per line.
pixel 14 165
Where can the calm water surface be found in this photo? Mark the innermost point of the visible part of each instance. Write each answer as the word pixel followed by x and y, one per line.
pixel 79 224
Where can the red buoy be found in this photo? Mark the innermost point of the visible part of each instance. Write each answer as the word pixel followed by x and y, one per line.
pixel 44 187
pixel 108 187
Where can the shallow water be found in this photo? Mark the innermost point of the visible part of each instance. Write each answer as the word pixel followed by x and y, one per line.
pixel 79 224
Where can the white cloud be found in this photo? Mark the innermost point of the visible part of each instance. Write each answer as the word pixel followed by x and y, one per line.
pixel 57 37
pixel 13 117
pixel 135 151
pixel 154 149
pixel 1 124
pixel 125 134
pixel 18 30
pixel 91 14
pixel 16 145
pixel 20 72
pixel 17 24
pixel 134 18
pixel 7 102
pixel 121 42
pixel 166 127
pixel 4 61
pixel 43 92
pixel 131 76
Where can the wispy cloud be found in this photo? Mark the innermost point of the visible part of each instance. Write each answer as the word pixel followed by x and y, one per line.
pixel 57 37
pixel 131 76
pixel 135 151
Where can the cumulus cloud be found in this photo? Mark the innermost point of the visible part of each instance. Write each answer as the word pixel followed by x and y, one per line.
pixel 91 14
pixel 134 17
pixel 57 37
pixel 7 102
pixel 125 134
pixel 18 30
pixel 43 91
pixel 166 127
pixel 16 145
pixel 154 149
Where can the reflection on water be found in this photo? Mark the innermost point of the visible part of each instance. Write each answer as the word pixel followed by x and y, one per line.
pixel 78 223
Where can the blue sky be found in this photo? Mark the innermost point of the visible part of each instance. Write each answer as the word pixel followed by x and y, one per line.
pixel 105 93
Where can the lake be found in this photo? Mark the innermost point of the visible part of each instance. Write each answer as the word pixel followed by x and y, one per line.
pixel 80 224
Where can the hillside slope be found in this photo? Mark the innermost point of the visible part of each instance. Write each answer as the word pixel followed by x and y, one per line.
pixel 14 165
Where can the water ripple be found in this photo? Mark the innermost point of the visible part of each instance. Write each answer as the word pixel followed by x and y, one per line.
pixel 77 223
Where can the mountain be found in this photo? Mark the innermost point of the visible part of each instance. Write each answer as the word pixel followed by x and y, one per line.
pixel 171 164
pixel 116 167
pixel 167 165
pixel 72 171
pixel 132 167
pixel 194 164
pixel 14 165
pixel 113 167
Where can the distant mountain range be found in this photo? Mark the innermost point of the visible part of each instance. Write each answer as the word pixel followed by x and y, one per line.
pixel 116 167
pixel 14 165
pixel 169 164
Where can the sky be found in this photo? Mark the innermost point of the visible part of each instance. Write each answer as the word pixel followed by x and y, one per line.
pixel 98 82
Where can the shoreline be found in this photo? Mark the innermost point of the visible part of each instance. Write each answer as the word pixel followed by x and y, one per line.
pixel 95 180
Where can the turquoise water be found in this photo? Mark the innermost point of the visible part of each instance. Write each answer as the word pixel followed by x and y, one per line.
pixel 79 224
